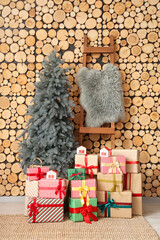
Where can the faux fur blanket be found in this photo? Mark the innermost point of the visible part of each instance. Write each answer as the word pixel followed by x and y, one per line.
pixel 101 95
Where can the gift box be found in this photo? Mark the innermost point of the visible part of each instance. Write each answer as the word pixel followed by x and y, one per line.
pixel 45 210
pixel 133 182
pixel 36 173
pixel 132 159
pixel 113 164
pixel 76 174
pixel 110 182
pixel 31 189
pixel 80 213
pixel 88 162
pixel 27 199
pixel 83 189
pixel 113 204
pixel 52 188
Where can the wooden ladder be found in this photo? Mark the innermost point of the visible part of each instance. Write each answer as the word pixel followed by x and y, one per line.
pixel 97 130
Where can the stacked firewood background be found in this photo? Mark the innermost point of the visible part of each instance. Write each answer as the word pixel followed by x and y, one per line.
pixel 30 29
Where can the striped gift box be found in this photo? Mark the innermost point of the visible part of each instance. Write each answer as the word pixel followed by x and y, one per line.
pixel 31 189
pixel 45 210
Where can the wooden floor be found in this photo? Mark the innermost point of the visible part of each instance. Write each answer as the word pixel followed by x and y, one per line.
pixel 151 209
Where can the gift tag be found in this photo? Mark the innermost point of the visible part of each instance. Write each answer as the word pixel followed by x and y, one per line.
pixel 51 174
pixel 81 150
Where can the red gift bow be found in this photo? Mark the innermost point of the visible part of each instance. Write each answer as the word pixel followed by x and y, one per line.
pixel 39 174
pixel 76 174
pixel 61 189
pixel 34 211
pixel 87 167
pixel 86 212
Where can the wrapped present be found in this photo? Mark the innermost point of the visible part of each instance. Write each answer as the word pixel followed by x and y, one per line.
pixel 110 182
pixel 51 174
pixel 81 150
pixel 113 204
pixel 83 188
pixel 31 189
pixel 88 162
pixel 132 159
pixel 113 164
pixel 27 199
pixel 133 182
pixel 45 210
pixel 36 173
pixel 52 188
pixel 105 152
pixel 80 213
pixel 76 174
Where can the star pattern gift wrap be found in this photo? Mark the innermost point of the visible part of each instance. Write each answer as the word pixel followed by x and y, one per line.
pixel 45 210
pixel 83 189
pixel 76 174
pixel 133 182
pixel 31 189
pixel 113 164
pixel 132 159
pixel 87 161
pixel 80 213
pixel 114 204
pixel 110 182
pixel 52 188
pixel 36 173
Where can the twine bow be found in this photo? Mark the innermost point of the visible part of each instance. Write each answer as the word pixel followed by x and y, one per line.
pixel 86 212
pixel 115 165
pixel 83 192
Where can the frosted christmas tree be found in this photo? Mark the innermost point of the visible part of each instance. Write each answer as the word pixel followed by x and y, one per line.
pixel 49 132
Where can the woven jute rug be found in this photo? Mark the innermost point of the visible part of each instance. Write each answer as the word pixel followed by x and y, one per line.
pixel 16 227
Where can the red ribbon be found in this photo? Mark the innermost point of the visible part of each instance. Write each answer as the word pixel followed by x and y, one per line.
pixel 61 189
pixel 129 187
pixel 34 211
pixel 76 174
pixel 132 162
pixel 39 174
pixel 86 212
pixel 88 168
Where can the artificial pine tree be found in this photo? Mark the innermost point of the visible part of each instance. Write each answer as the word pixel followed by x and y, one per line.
pixel 49 132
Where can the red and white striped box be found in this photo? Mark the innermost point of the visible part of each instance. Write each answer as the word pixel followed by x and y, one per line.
pixel 113 164
pixel 83 187
pixel 36 173
pixel 45 210
pixel 52 188
pixel 31 189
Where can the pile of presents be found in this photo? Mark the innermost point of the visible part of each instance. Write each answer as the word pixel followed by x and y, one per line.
pixel 105 185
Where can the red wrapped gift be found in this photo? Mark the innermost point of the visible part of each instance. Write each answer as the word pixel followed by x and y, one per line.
pixel 52 188
pixel 36 173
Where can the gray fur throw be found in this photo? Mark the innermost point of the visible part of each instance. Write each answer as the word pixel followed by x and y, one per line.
pixel 101 95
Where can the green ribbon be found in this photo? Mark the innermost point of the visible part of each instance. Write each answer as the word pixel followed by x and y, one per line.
pixel 110 204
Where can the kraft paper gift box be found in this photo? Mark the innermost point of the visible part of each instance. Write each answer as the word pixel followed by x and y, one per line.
pixel 83 188
pixel 36 173
pixel 45 210
pixel 77 211
pixel 87 161
pixel 76 174
pixel 132 159
pixel 31 189
pixel 113 164
pixel 114 204
pixel 52 188
pixel 133 182
pixel 110 182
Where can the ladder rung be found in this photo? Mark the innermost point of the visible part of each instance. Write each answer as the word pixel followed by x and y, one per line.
pixel 98 50
pixel 100 130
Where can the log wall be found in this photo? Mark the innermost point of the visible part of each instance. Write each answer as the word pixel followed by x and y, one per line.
pixel 30 29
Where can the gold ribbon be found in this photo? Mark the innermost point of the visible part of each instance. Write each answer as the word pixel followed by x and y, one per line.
pixel 115 165
pixel 115 185
pixel 83 192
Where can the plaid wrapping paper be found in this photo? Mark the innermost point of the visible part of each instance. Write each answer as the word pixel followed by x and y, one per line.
pixel 132 159
pixel 45 210
pixel 114 204
pixel 133 182
pixel 31 189
pixel 36 173
pixel 52 188
pixel 113 164
pixel 110 182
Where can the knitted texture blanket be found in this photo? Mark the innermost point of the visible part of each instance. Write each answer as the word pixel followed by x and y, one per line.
pixel 101 95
